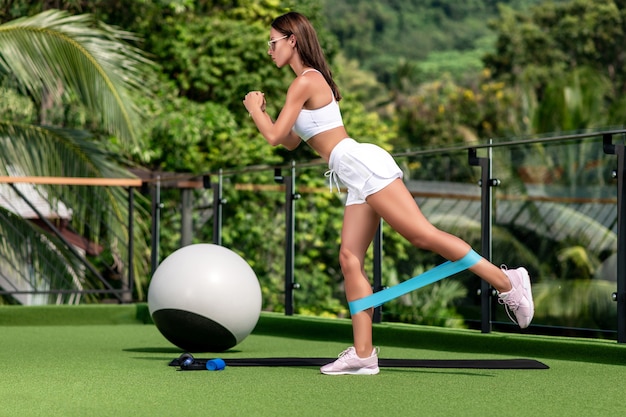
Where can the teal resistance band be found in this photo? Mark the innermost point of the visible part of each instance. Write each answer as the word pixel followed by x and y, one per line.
pixel 437 273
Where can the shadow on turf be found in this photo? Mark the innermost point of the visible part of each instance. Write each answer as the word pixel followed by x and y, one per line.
pixel 174 350
pixel 164 350
pixel 439 372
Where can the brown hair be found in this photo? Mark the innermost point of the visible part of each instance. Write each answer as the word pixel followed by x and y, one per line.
pixel 308 45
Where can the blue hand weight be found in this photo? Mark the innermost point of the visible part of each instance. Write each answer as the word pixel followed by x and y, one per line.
pixel 216 364
pixel 437 273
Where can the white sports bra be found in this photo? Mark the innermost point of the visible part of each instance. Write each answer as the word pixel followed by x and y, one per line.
pixel 312 122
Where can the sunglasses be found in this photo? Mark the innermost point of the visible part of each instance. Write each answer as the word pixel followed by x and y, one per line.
pixel 272 44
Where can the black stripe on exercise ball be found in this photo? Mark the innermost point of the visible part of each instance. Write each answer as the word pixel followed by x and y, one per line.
pixel 193 332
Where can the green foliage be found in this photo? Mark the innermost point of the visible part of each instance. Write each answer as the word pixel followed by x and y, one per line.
pixel 216 59
pixel 556 37
pixel 382 35
pixel 564 57
pixel 359 86
pixel 444 113
pixel 577 100
pixel 192 137
pixel 16 107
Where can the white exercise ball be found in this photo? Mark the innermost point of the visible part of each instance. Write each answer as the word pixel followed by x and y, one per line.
pixel 204 298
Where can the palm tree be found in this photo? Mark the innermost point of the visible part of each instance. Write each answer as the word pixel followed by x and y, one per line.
pixel 48 61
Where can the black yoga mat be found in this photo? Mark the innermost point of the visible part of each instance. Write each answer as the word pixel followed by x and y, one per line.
pixel 200 364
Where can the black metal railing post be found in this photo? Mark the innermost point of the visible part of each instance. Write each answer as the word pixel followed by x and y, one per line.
pixel 486 183
pixel 620 175
pixel 186 217
pixel 156 207
pixel 128 296
pixel 290 226
pixel 218 203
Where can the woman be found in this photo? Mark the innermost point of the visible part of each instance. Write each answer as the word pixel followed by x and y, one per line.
pixel 374 182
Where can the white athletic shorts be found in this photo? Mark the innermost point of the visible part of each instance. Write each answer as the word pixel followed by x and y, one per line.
pixel 364 169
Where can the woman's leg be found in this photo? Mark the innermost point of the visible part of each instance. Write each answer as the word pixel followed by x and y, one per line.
pixel 398 208
pixel 359 226
pixel 396 205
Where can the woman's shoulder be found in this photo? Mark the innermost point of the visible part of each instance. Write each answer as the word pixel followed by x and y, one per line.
pixel 311 78
pixel 311 87
pixel 308 80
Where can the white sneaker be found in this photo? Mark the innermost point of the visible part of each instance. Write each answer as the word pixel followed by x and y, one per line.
pixel 519 300
pixel 349 363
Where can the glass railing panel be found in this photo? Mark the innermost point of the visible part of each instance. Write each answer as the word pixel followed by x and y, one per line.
pixel 555 212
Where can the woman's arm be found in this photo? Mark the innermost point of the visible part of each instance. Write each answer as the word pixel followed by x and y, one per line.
pixel 279 132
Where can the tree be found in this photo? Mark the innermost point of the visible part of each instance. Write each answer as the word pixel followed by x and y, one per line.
pixel 52 61
pixel 435 37
pixel 573 45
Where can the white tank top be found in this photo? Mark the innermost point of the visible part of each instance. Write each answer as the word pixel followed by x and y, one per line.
pixel 312 122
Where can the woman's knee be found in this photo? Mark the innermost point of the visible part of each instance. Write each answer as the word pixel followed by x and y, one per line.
pixel 349 262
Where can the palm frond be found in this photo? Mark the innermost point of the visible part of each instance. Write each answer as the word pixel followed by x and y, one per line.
pixel 559 223
pixel 45 151
pixel 50 151
pixel 93 62
pixel 32 261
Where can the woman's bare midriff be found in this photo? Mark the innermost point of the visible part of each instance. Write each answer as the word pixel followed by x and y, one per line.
pixel 324 143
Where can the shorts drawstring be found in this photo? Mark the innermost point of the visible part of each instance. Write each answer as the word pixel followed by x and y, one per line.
pixel 332 176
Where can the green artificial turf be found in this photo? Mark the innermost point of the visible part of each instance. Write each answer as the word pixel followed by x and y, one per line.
pixel 110 361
